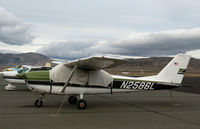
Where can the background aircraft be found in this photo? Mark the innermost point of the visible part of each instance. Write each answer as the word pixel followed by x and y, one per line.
pixel 11 74
pixel 85 76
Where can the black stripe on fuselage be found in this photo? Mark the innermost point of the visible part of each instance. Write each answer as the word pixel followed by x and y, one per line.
pixel 116 85
pixel 47 83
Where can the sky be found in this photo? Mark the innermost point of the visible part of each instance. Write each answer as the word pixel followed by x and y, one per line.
pixel 72 29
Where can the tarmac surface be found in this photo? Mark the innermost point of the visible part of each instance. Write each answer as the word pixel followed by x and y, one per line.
pixel 136 110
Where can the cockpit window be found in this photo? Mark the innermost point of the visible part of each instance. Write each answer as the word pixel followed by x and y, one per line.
pixel 23 70
pixel 42 68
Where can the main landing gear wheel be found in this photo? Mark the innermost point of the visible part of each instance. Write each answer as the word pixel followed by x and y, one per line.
pixel 81 104
pixel 38 103
pixel 72 100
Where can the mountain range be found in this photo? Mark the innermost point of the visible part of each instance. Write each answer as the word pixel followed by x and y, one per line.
pixel 11 60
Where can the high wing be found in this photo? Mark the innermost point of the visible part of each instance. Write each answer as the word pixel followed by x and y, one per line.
pixel 58 61
pixel 95 63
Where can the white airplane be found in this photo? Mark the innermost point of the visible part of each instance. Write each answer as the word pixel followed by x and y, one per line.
pixel 11 74
pixel 85 76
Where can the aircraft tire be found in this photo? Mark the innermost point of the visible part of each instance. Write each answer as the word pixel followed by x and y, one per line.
pixel 81 104
pixel 38 103
pixel 72 100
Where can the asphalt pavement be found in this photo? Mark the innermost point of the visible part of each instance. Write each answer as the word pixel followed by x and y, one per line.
pixel 137 110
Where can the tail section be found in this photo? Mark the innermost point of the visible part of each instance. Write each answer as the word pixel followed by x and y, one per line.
pixel 174 71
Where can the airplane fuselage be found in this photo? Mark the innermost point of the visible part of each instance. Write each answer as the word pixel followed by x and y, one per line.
pixel 43 84
pixel 85 76
pixel 11 77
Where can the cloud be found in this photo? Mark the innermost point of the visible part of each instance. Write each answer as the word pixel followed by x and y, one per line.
pixel 140 44
pixel 13 30
pixel 8 51
pixel 69 50
pixel 157 43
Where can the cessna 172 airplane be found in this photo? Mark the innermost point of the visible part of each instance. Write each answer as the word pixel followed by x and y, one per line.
pixel 85 76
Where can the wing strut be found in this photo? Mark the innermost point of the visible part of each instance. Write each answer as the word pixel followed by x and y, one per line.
pixel 111 86
pixel 69 78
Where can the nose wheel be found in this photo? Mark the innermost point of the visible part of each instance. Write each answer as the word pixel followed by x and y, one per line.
pixel 39 103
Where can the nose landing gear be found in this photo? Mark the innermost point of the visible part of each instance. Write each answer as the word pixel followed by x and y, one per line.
pixel 39 103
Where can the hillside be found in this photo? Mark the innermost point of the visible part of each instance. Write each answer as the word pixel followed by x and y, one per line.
pixel 11 60
pixel 151 66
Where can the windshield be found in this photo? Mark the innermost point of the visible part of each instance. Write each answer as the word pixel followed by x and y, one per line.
pixel 22 70
pixel 41 69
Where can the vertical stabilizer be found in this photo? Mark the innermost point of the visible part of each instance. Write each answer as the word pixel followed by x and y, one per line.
pixel 174 71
